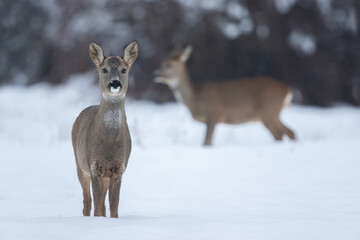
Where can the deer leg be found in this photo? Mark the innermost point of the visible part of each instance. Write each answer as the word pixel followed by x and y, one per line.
pixel 98 189
pixel 274 129
pixel 287 131
pixel 85 184
pixel 105 189
pixel 210 127
pixel 114 194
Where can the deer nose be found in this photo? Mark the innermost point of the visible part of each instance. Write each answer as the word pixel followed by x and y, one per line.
pixel 115 84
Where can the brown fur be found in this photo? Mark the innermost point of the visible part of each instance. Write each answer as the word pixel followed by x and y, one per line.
pixel 233 101
pixel 100 134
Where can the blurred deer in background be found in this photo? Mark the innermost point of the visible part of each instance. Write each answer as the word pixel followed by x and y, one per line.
pixel 233 101
pixel 100 134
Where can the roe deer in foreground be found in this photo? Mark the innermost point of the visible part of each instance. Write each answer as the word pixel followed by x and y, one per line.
pixel 233 102
pixel 100 134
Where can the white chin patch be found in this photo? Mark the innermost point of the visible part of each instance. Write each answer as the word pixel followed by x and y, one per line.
pixel 174 82
pixel 114 90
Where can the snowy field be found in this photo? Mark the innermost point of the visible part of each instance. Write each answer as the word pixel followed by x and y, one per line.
pixel 245 187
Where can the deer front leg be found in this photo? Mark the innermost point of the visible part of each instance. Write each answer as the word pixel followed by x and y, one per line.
pixel 210 127
pixel 114 194
pixel 98 189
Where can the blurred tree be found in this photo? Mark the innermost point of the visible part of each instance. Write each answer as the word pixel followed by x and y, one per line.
pixel 23 44
pixel 311 45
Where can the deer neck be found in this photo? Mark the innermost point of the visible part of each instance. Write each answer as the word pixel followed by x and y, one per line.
pixel 111 114
pixel 183 89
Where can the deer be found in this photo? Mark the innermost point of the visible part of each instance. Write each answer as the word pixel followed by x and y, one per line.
pixel 234 101
pixel 100 134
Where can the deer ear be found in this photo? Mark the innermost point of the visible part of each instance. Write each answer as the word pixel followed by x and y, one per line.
pixel 186 53
pixel 131 52
pixel 175 52
pixel 96 54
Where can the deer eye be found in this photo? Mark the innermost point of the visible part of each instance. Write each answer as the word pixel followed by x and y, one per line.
pixel 104 70
pixel 123 70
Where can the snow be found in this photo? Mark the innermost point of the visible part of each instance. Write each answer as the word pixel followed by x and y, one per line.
pixel 325 6
pixel 243 25
pixel 244 187
pixel 205 5
pixel 234 30
pixel 236 10
pixel 284 6
pixel 302 42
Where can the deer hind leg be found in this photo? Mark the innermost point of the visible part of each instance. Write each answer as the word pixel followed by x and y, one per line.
pixel 275 130
pixel 210 127
pixel 271 122
pixel 287 131
pixel 85 184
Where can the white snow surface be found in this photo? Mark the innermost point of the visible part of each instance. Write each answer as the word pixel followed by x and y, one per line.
pixel 247 186
pixel 302 42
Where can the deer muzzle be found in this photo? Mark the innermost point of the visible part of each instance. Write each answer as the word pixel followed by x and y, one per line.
pixel 157 76
pixel 115 86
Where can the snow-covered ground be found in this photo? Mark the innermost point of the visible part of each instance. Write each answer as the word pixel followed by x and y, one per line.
pixel 245 187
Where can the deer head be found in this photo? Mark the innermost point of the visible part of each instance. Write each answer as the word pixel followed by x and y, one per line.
pixel 172 67
pixel 113 70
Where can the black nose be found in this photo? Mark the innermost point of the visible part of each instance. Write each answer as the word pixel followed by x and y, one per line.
pixel 115 84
